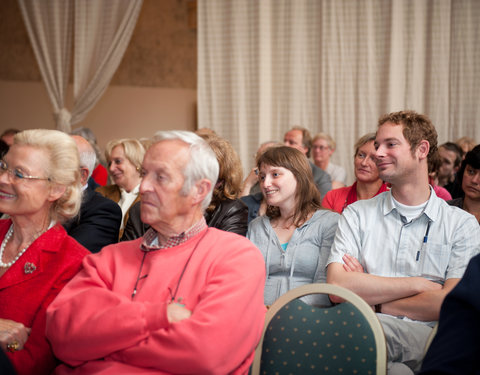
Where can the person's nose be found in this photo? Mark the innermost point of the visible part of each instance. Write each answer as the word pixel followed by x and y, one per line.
pixel 379 153
pixel 111 167
pixel 266 181
pixel 476 178
pixel 145 185
pixel 5 177
pixel 364 161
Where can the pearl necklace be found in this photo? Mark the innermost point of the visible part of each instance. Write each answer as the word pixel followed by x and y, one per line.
pixel 4 244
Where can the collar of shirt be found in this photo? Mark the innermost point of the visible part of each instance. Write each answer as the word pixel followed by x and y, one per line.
pixel 133 193
pixel 152 240
pixel 431 210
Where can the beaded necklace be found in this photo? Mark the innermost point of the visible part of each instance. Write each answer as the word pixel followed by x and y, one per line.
pixel 4 244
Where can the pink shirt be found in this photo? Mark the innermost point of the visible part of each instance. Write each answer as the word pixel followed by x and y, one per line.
pixel 95 326
pixel 442 192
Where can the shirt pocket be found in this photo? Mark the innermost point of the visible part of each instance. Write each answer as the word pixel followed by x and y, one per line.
pixel 272 290
pixel 434 261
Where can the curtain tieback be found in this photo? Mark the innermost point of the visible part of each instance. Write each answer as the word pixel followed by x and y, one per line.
pixel 62 119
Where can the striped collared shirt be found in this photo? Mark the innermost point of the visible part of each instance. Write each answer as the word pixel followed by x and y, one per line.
pixel 374 232
pixel 152 240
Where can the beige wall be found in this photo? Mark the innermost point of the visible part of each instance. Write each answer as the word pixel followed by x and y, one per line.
pixel 154 87
pixel 122 112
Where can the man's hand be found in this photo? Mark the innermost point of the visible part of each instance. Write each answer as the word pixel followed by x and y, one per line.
pixel 351 264
pixel 177 312
pixel 13 335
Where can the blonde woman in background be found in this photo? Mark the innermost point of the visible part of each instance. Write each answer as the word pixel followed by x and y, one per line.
pixel 124 159
pixel 367 184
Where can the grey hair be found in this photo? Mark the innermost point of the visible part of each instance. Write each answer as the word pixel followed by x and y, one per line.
pixel 88 159
pixel 88 134
pixel 202 163
pixel 63 168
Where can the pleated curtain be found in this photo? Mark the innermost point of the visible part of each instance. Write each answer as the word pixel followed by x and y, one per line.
pixel 94 33
pixel 336 66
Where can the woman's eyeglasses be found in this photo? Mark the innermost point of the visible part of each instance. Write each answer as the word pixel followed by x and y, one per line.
pixel 17 175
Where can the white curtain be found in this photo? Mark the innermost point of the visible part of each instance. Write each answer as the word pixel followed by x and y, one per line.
pixel 336 66
pixel 102 31
pixel 50 27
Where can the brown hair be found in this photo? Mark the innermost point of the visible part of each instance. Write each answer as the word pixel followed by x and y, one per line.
pixel 306 138
pixel 416 128
pixel 307 195
pixel 450 146
pixel 230 176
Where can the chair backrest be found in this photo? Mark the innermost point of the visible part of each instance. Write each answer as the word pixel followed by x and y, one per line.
pixel 303 339
pixel 430 339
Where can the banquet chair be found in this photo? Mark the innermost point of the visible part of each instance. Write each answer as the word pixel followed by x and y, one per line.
pixel 304 339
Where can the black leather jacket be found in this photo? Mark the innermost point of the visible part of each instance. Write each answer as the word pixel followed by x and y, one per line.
pixel 230 215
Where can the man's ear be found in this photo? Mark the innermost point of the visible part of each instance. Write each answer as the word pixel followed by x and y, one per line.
pixel 200 190
pixel 422 149
pixel 56 191
pixel 83 175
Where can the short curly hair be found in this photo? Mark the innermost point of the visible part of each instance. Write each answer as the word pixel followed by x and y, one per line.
pixel 416 128
pixel 63 168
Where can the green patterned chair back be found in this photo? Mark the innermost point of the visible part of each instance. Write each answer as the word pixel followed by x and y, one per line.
pixel 304 339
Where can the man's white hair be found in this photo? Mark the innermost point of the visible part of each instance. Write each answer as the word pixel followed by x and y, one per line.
pixel 201 164
pixel 88 159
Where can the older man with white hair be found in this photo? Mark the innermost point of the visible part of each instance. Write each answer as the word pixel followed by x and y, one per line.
pixel 184 298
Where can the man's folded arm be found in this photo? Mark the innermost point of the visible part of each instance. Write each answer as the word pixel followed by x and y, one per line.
pixel 424 306
pixel 376 289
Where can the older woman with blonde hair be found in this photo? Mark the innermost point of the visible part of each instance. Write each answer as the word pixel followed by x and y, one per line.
pixel 124 159
pixel 296 233
pixel 39 190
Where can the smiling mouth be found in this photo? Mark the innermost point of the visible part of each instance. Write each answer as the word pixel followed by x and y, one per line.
pixel 383 165
pixel 270 192
pixel 6 196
